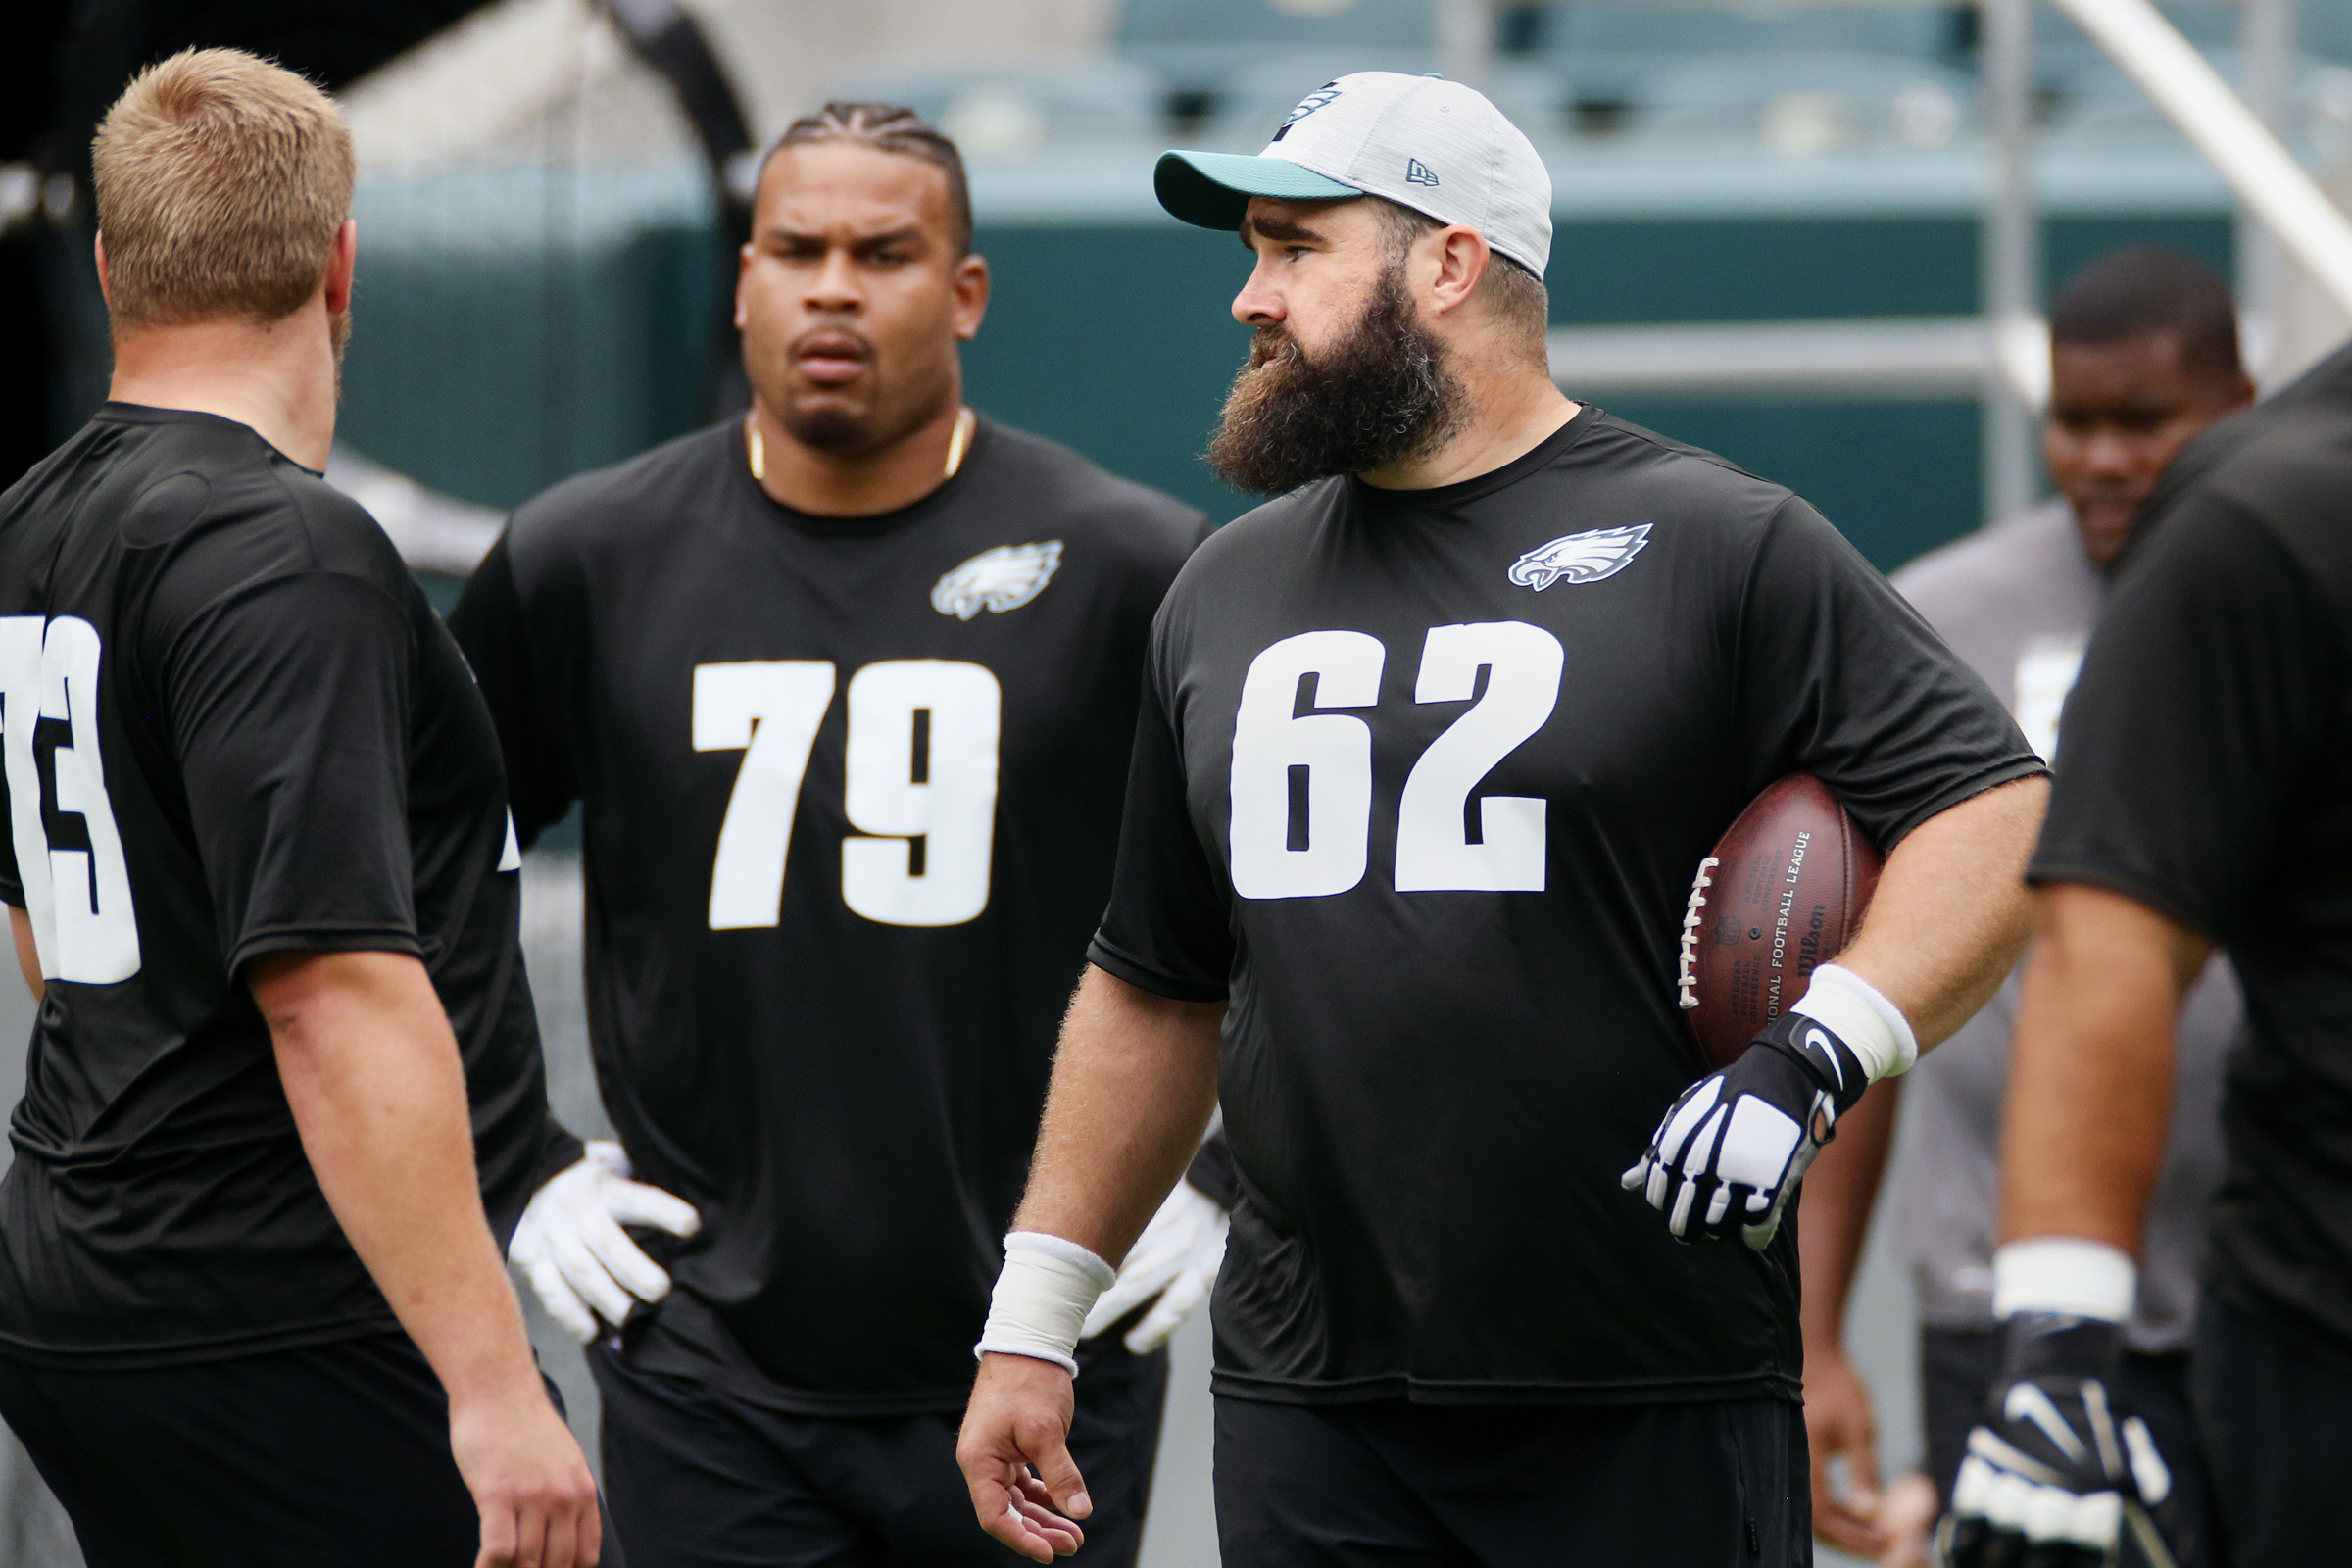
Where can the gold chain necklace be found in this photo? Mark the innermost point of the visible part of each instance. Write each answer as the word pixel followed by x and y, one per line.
pixel 958 443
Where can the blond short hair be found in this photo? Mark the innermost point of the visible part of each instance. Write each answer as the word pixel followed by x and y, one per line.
pixel 222 180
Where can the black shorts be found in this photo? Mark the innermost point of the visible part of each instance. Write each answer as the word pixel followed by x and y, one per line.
pixel 1398 1486
pixel 336 1453
pixel 2278 1426
pixel 1956 1373
pixel 697 1477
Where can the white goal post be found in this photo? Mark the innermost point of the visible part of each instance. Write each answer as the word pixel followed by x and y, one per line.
pixel 2219 125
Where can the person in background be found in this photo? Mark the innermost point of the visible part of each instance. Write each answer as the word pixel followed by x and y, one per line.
pixel 2206 802
pixel 845 689
pixel 2144 354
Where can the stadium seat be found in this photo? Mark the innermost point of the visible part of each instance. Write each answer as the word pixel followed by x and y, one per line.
pixel 1799 103
pixel 2062 51
pixel 1605 52
pixel 1259 95
pixel 1198 44
pixel 1007 108
pixel 2100 102
pixel 1255 98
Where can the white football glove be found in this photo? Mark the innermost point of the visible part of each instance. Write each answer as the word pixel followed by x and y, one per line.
pixel 1732 1149
pixel 572 1247
pixel 1176 1261
pixel 2058 1471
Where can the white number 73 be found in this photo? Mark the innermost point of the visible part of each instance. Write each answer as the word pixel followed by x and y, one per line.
pixel 934 797
pixel 78 901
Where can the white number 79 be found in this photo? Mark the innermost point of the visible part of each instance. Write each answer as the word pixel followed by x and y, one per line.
pixel 920 776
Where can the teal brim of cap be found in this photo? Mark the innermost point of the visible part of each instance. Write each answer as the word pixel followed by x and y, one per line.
pixel 1213 189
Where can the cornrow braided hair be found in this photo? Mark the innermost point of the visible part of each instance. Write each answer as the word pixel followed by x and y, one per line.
pixel 890 128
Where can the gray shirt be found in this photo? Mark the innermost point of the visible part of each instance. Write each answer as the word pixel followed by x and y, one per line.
pixel 2017 601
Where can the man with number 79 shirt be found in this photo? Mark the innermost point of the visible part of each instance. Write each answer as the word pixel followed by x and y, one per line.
pixel 846 690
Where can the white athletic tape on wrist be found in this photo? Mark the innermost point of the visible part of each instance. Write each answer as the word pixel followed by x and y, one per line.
pixel 1047 1286
pixel 2069 1274
pixel 1854 1010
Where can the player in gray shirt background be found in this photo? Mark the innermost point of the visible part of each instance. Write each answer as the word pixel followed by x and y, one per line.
pixel 2144 354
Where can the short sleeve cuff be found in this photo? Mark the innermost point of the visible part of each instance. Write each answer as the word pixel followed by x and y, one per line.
pixel 323 939
pixel 1942 801
pixel 1144 977
pixel 2139 887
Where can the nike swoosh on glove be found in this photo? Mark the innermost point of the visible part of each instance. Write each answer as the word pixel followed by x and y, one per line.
pixel 2056 1471
pixel 1734 1147
pixel 571 1249
pixel 1172 1265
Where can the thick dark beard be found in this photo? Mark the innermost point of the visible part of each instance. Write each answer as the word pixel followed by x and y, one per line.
pixel 1382 395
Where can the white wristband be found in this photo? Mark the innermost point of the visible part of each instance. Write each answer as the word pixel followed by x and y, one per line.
pixel 1041 1298
pixel 1873 1028
pixel 2069 1274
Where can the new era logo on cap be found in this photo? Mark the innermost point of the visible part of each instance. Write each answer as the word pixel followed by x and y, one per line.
pixel 1381 133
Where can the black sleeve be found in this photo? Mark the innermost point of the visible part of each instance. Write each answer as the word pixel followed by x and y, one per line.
pixel 490 626
pixel 559 1151
pixel 1168 929
pixel 1213 1172
pixel 1841 678
pixel 2212 693
pixel 289 705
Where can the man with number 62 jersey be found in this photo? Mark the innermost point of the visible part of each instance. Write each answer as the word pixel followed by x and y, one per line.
pixel 846 690
pixel 1430 746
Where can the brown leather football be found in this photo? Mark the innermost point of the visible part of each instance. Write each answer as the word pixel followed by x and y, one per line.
pixel 1784 890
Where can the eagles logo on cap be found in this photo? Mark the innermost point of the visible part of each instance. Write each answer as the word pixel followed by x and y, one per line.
pixel 1307 105
pixel 1383 133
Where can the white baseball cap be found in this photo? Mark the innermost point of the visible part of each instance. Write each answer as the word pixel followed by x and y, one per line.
pixel 1423 142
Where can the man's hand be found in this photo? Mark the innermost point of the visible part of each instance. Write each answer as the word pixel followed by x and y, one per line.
pixel 1174 1262
pixel 572 1247
pixel 1839 1424
pixel 2056 1471
pixel 1014 1451
pixel 1734 1147
pixel 529 1480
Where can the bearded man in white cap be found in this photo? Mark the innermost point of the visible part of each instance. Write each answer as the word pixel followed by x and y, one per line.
pixel 1429 749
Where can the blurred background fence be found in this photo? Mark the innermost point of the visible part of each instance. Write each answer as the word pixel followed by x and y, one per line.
pixel 1771 240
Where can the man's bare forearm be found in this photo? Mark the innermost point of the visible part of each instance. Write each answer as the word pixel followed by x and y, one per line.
pixel 1134 1080
pixel 372 1074
pixel 1951 913
pixel 2091 1075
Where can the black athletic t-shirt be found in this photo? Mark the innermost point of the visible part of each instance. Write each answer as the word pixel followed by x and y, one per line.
pixel 2209 775
pixel 232 726
pixel 851 794
pixel 1420 785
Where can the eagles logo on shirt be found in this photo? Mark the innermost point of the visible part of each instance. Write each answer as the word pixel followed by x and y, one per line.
pixel 996 580
pixel 1580 557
